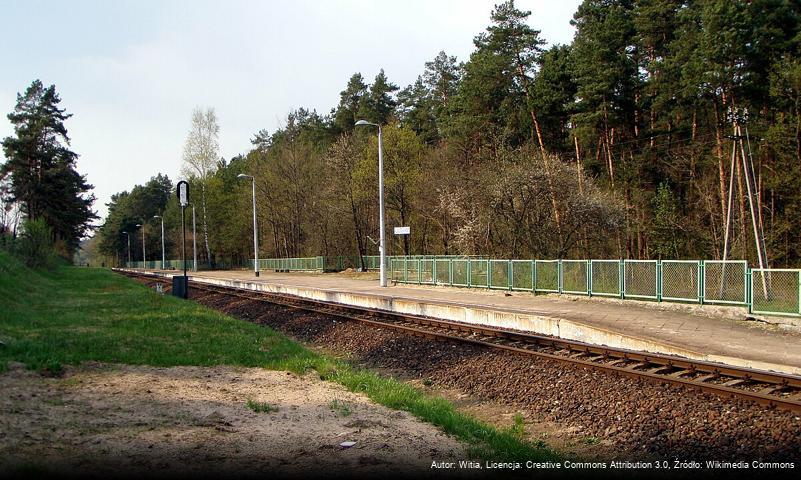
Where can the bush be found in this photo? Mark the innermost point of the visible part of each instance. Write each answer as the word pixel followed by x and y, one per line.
pixel 6 241
pixel 35 245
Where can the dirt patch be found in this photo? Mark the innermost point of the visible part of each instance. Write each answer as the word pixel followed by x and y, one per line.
pixel 101 420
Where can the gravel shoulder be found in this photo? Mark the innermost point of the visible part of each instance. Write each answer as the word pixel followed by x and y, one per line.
pixel 113 419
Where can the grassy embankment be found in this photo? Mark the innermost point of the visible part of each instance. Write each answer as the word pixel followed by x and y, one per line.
pixel 72 314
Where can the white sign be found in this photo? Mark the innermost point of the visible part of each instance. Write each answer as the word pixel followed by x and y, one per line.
pixel 402 230
pixel 183 193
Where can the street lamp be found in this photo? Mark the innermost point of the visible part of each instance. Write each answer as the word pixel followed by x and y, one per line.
pixel 163 255
pixel 382 242
pixel 129 248
pixel 144 258
pixel 194 240
pixel 255 231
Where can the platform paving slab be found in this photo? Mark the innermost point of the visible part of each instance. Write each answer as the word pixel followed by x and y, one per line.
pixel 716 334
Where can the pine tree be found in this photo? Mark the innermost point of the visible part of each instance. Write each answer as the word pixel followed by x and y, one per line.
pixel 42 167
pixel 379 105
pixel 416 109
pixel 350 101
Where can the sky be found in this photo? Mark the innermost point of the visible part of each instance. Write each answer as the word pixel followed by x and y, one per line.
pixel 131 72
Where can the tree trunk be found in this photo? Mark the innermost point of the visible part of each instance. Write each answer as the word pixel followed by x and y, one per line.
pixel 579 173
pixel 721 165
pixel 205 223
pixel 538 130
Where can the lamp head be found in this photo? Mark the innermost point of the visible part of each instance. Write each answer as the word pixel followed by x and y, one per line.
pixel 242 175
pixel 138 224
pixel 363 122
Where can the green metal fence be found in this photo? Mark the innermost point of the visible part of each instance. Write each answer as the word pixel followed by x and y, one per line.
pixel 305 264
pixel 157 265
pixel 725 282
pixel 775 291
pixel 606 278
pixel 764 291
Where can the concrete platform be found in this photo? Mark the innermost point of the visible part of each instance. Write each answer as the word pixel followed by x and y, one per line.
pixel 716 334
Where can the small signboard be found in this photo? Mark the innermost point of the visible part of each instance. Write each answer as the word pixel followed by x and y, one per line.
pixel 402 230
pixel 183 193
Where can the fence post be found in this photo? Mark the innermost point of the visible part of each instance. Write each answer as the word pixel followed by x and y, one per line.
pixel 405 269
pixel 749 294
pixel 434 270
pixel 589 278
pixel 798 281
pixel 469 280
pixel 534 276
pixel 659 280
pixel 559 276
pixel 450 271
pixel 701 281
pixel 510 274
pixel 622 278
pixel 419 271
pixel 489 273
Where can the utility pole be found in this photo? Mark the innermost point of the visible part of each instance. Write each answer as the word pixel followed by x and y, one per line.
pixel 144 257
pixel 163 251
pixel 738 118
pixel 129 249
pixel 255 226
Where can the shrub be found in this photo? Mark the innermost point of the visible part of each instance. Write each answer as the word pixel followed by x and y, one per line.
pixel 35 245
pixel 6 241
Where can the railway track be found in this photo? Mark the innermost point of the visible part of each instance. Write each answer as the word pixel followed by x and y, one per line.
pixel 768 388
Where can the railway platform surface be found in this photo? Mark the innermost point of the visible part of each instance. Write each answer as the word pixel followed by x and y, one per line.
pixel 717 334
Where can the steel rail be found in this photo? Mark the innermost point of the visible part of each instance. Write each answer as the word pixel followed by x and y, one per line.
pixel 768 388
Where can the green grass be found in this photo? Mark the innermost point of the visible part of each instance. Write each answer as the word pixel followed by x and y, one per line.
pixel 341 407
pixel 260 407
pixel 518 428
pixel 74 314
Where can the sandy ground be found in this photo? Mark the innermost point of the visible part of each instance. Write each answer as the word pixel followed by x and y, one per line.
pixel 112 419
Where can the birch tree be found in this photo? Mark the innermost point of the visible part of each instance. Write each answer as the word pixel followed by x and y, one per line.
pixel 201 154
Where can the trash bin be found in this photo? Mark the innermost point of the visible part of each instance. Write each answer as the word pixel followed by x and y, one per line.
pixel 180 286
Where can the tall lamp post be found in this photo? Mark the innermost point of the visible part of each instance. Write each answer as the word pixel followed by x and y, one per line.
pixel 255 230
pixel 129 248
pixel 382 233
pixel 163 253
pixel 194 240
pixel 144 257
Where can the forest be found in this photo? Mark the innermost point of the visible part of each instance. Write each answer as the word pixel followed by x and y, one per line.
pixel 618 145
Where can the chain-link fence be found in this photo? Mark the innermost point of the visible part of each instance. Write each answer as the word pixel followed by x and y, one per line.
pixel 763 291
pixel 681 280
pixel 693 281
pixel 574 277
pixel 499 274
pixel 605 278
pixel 775 291
pixel 546 276
pixel 640 279
pixel 460 269
pixel 522 274
pixel 478 273
pixel 443 271
pixel 305 264
pixel 725 282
